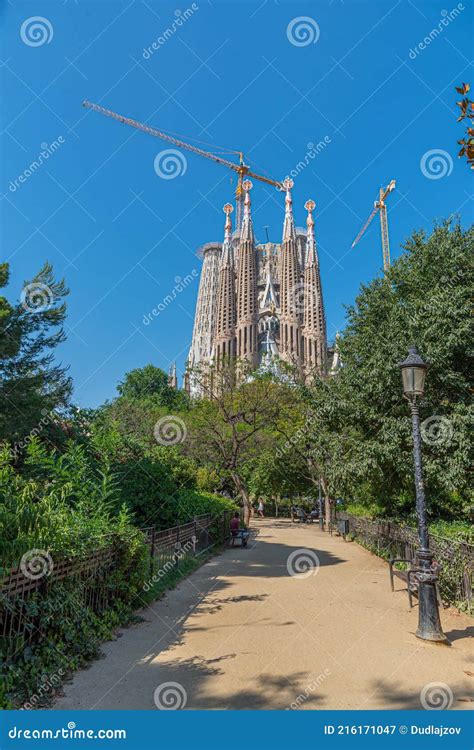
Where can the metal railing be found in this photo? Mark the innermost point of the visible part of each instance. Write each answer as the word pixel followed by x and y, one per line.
pixel 90 577
pixel 391 540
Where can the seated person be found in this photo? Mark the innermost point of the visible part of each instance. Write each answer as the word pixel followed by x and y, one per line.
pixel 234 526
pixel 301 514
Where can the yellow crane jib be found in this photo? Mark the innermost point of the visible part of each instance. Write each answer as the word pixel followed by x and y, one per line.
pixel 380 205
pixel 242 169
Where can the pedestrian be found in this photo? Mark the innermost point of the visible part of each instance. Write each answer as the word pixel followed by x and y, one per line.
pixel 260 509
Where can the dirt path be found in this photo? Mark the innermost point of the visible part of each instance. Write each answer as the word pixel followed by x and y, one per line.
pixel 241 632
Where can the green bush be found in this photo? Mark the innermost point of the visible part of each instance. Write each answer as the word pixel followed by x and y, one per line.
pixel 190 503
pixel 62 631
pixel 86 499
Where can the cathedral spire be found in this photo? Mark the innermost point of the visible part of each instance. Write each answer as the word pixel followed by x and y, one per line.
pixel 247 226
pixel 227 252
pixel 247 291
pixel 311 253
pixel 290 285
pixel 289 222
pixel 205 316
pixel 224 344
pixel 172 376
pixel 228 208
pixel 314 321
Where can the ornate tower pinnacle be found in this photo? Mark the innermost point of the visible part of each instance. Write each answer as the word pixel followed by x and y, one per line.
pixel 247 226
pixel 289 222
pixel 172 376
pixel 228 208
pixel 224 345
pixel 247 295
pixel 290 286
pixel 310 241
pixel 314 322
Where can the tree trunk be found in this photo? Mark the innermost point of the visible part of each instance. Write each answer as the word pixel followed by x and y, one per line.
pixel 242 490
pixel 328 504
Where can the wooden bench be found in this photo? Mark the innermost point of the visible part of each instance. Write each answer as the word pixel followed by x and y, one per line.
pixel 409 576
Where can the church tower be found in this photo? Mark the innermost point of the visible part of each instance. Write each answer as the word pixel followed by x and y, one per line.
pixel 202 347
pixel 290 285
pixel 259 303
pixel 225 341
pixel 172 376
pixel 314 322
pixel 247 293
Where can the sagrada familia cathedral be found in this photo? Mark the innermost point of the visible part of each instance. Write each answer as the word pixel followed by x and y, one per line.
pixel 260 303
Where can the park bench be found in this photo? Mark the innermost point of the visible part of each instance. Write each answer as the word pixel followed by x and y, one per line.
pixel 408 576
pixel 242 534
pixel 299 516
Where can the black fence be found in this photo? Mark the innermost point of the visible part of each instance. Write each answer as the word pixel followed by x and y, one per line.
pixel 170 547
pixel 90 577
pixel 389 539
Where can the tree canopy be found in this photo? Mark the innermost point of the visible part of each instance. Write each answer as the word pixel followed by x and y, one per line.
pixel 32 384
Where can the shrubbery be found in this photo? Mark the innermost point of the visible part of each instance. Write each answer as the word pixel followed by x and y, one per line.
pixel 90 495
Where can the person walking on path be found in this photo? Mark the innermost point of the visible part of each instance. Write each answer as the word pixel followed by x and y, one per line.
pixel 260 509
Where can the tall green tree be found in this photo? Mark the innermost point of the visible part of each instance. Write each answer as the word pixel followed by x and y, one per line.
pixel 32 385
pixel 151 383
pixel 229 427
pixel 423 300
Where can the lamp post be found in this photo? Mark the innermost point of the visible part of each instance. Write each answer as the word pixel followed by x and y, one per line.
pixel 429 625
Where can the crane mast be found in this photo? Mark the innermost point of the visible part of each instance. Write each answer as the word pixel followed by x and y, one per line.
pixel 384 233
pixel 381 207
pixel 242 169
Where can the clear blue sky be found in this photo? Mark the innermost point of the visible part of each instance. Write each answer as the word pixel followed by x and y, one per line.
pixel 228 75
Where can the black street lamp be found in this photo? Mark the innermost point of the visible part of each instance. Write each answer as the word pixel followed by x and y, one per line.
pixel 429 624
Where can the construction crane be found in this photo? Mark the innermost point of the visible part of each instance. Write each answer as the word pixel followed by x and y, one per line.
pixel 242 169
pixel 380 206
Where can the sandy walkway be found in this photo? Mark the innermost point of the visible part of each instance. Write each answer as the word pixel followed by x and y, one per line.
pixel 242 633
